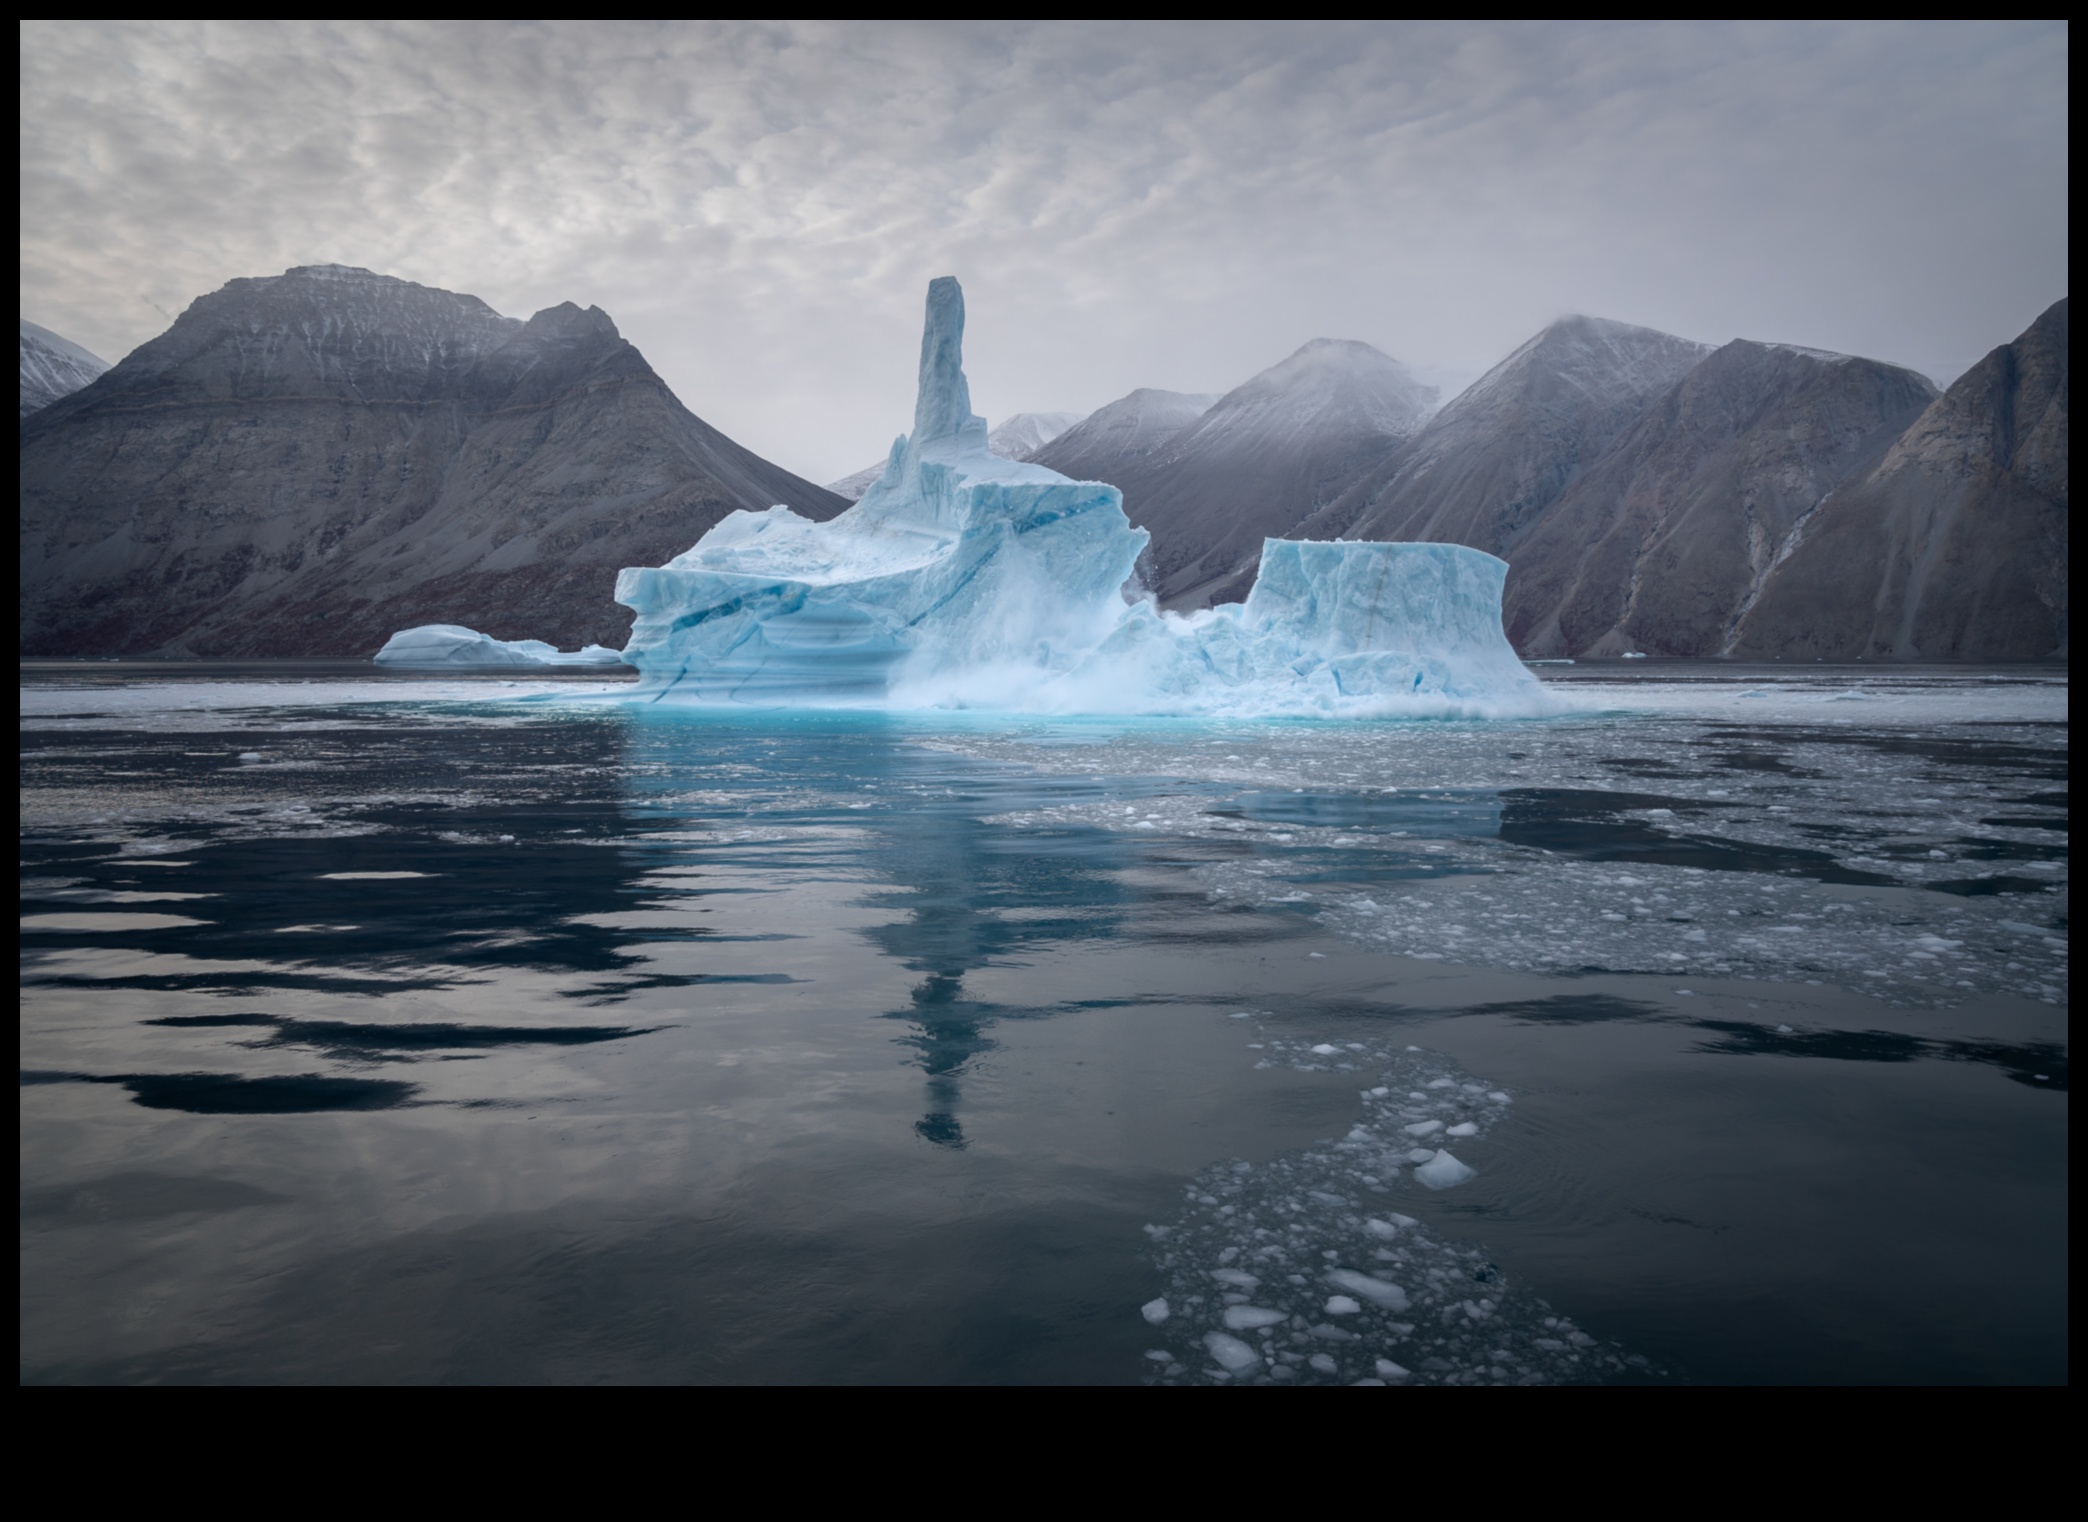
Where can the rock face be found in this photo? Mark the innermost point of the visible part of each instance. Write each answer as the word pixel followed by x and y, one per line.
pixel 304 464
pixel 1266 457
pixel 1954 544
pixel 1665 540
pixel 1487 467
pixel 53 367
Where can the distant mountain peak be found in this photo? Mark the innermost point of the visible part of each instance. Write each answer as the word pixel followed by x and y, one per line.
pixel 54 367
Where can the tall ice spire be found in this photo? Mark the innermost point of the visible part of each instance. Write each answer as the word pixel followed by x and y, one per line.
pixel 942 410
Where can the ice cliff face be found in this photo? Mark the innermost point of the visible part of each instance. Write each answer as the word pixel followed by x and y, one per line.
pixel 53 367
pixel 1954 546
pixel 303 464
pixel 963 579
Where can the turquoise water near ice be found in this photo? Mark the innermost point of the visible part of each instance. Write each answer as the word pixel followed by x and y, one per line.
pixel 432 1032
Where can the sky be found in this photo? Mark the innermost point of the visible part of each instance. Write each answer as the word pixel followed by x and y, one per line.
pixel 760 206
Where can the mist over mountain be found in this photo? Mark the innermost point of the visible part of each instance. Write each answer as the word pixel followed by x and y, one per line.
pixel 53 367
pixel 1255 464
pixel 1954 544
pixel 1486 468
pixel 303 464
pixel 1118 439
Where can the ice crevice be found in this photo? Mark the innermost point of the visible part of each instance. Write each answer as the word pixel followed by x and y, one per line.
pixel 963 580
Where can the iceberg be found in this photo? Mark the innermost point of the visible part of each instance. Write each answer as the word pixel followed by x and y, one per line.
pixel 963 580
pixel 452 647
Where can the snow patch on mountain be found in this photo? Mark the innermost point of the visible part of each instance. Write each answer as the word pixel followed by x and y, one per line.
pixel 53 367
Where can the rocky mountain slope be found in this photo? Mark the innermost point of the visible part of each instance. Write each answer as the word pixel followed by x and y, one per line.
pixel 1019 438
pixel 1489 465
pixel 53 367
pixel 306 463
pixel 1664 541
pixel 1261 460
pixel 1954 544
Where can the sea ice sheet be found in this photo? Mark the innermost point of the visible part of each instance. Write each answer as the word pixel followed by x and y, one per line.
pixel 962 580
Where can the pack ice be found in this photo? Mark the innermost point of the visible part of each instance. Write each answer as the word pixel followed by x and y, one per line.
pixel 965 580
pixel 454 647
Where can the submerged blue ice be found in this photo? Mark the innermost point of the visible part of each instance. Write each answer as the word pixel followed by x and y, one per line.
pixel 965 580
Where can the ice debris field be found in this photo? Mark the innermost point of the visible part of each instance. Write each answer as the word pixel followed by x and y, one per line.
pixel 963 580
pixel 1303 1271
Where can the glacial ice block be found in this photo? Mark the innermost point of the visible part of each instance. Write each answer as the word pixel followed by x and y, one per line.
pixel 965 580
pixel 453 647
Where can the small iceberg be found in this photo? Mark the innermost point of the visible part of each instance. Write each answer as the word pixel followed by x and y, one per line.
pixel 1444 1172
pixel 1380 1292
pixel 1231 1354
pixel 452 647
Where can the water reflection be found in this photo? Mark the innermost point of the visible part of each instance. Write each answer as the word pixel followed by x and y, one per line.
pixel 918 828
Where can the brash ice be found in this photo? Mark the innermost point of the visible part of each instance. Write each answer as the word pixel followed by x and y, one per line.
pixel 963 580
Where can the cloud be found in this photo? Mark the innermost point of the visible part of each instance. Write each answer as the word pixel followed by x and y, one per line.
pixel 759 206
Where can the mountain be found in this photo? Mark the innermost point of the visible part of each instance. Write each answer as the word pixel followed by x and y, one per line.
pixel 1116 440
pixel 305 463
pixel 53 367
pixel 1488 466
pixel 1261 460
pixel 1665 539
pixel 1019 438
pixel 1954 544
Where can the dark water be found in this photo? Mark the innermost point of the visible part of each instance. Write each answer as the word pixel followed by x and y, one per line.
pixel 489 1041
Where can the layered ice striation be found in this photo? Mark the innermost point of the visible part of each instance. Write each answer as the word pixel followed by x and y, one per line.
pixel 965 580
pixel 452 647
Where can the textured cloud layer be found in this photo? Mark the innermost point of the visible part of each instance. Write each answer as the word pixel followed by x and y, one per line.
pixel 1177 206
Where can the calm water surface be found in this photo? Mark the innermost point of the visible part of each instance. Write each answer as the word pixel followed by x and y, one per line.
pixel 416 1032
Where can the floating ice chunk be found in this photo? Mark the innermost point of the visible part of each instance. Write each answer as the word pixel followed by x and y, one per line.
pixel 1325 1050
pixel 1250 1318
pixel 1423 1128
pixel 1341 1305
pixel 1441 1083
pixel 1403 1220
pixel 1444 1172
pixel 1421 1155
pixel 964 580
pixel 249 757
pixel 453 647
pixel 1156 1311
pixel 1377 1291
pixel 1388 1370
pixel 1238 1278
pixel 1231 1354
pixel 1324 1362
pixel 1463 1128
pixel 1383 1229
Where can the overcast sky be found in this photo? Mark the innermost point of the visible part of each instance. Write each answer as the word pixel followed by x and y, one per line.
pixel 760 207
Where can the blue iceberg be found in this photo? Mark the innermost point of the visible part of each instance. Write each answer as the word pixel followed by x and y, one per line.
pixel 964 580
pixel 452 647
